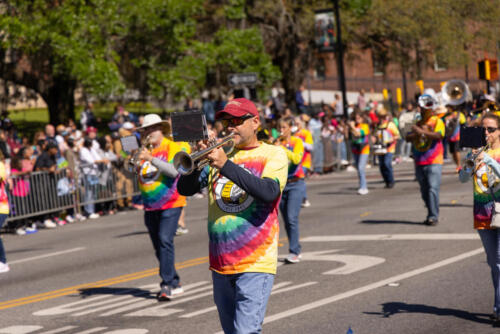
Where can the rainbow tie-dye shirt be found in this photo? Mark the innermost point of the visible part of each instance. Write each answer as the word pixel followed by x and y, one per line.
pixel 307 138
pixel 158 191
pixel 455 136
pixel 243 232
pixel 483 200
pixel 294 149
pixel 393 134
pixel 361 144
pixel 429 151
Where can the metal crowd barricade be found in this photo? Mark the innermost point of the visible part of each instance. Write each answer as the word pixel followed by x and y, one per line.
pixel 40 193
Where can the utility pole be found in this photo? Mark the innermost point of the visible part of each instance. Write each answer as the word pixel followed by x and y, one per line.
pixel 340 56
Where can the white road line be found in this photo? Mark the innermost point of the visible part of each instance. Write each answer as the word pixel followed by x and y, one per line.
pixel 93 330
pixel 372 286
pixel 416 236
pixel 294 287
pixel 47 255
pixel 59 330
pixel 139 304
pixel 19 329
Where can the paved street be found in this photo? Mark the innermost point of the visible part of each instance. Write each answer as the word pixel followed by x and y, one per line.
pixel 368 263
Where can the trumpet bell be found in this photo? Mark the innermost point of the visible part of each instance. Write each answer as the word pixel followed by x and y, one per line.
pixel 183 163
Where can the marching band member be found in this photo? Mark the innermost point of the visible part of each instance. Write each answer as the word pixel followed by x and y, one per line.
pixel 360 131
pixel 162 203
pixel 453 122
pixel 244 190
pixel 295 188
pixel 427 142
pixel 388 136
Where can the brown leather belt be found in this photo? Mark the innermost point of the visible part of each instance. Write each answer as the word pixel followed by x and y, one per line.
pixel 293 179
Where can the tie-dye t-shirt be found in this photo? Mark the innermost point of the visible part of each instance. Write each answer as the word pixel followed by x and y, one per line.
pixel 4 201
pixel 392 135
pixel 307 139
pixel 243 232
pixel 295 153
pixel 483 201
pixel 429 151
pixel 361 144
pixel 455 136
pixel 158 191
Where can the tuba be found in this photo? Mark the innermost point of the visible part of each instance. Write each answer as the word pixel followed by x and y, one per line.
pixel 186 163
pixel 455 92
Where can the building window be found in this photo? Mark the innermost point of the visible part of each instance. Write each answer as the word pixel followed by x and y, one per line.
pixel 440 64
pixel 319 70
pixel 378 64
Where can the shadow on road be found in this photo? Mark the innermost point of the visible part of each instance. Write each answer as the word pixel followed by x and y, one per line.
pixel 131 234
pixel 389 309
pixel 385 221
pixel 146 294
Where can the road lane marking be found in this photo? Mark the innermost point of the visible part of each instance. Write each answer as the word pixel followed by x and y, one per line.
pixel 375 237
pixel 367 213
pixel 59 330
pixel 352 263
pixel 93 330
pixel 19 329
pixel 372 286
pixel 47 255
pixel 107 282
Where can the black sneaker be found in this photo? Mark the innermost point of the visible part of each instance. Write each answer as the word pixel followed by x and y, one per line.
pixel 431 222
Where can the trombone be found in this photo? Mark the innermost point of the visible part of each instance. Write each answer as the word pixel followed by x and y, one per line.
pixel 186 163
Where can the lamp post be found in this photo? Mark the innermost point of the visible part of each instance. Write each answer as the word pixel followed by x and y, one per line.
pixel 340 57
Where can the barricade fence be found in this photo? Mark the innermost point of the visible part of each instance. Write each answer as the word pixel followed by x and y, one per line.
pixel 43 193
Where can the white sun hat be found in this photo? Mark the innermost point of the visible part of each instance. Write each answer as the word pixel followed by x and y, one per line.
pixel 154 119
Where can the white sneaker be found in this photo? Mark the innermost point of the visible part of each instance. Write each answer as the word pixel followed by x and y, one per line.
pixel 293 258
pixel 94 216
pixel 70 219
pixel 368 166
pixel 363 191
pixel 344 162
pixel 20 231
pixel 350 169
pixel 306 204
pixel 32 229
pixel 49 224
pixel 80 217
pixel 4 267
pixel 181 231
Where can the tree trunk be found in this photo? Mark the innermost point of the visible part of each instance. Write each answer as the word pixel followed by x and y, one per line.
pixel 60 99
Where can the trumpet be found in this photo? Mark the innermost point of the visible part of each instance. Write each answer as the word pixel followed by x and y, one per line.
pixel 186 163
pixel 470 162
pixel 134 162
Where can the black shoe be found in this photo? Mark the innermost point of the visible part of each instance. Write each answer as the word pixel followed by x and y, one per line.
pixel 431 222
pixel 389 185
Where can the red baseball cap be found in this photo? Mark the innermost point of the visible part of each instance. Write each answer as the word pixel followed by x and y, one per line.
pixel 237 108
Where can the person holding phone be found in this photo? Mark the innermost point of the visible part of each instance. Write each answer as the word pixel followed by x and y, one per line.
pixel 486 193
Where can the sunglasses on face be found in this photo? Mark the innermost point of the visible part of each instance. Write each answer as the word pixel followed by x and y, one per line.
pixel 235 121
pixel 490 129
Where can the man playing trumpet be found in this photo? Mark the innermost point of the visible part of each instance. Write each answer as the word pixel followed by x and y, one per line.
pixel 162 203
pixel 244 190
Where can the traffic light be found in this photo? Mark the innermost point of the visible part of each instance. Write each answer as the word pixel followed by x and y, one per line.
pixel 487 69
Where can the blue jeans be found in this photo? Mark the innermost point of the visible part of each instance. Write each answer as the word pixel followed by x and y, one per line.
pixel 91 182
pixel 429 179
pixel 491 242
pixel 360 161
pixel 385 165
pixel 318 156
pixel 162 225
pixel 290 205
pixel 3 259
pixel 241 300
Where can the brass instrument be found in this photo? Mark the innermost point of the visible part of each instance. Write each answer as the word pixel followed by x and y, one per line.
pixel 470 162
pixel 134 162
pixel 455 92
pixel 186 163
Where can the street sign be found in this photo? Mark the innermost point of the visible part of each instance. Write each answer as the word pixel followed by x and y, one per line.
pixel 245 79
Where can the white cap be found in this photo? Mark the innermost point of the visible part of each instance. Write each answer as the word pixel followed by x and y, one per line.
pixel 128 125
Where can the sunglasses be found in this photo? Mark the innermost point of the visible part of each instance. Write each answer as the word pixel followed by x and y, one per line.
pixel 235 121
pixel 490 129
